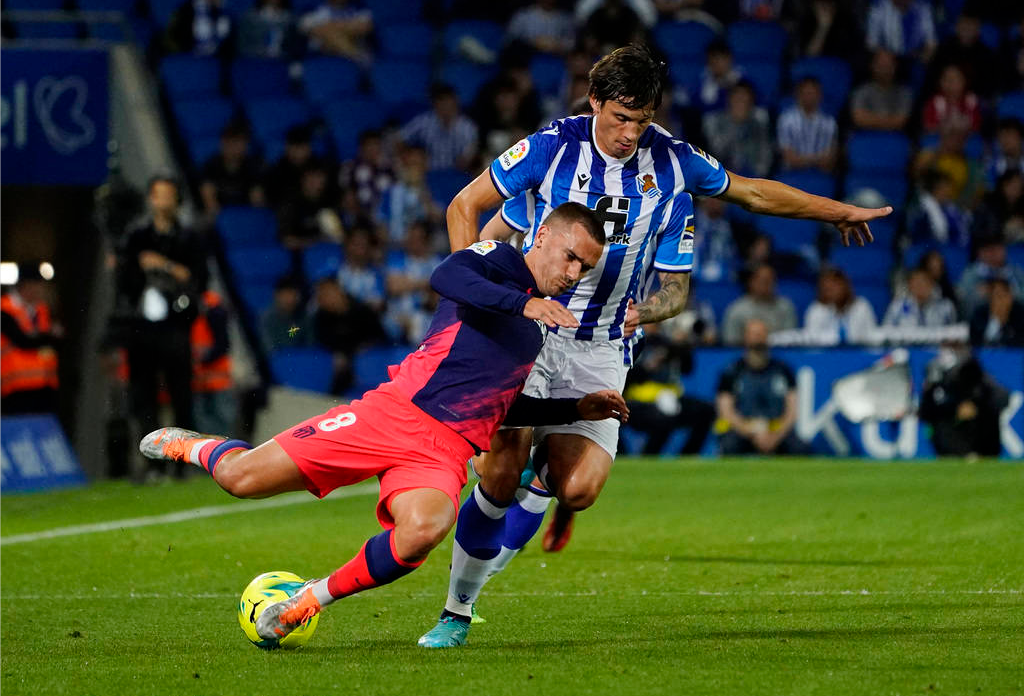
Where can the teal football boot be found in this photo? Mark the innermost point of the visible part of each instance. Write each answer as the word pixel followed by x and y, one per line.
pixel 449 632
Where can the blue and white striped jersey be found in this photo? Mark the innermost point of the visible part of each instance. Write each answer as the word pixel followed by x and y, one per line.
pixel 642 201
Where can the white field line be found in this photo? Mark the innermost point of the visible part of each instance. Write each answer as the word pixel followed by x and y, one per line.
pixel 592 593
pixel 186 515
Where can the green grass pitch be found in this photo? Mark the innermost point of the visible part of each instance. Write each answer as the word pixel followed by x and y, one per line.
pixel 688 577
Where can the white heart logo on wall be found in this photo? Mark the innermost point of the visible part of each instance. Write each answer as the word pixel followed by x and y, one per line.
pixel 60 108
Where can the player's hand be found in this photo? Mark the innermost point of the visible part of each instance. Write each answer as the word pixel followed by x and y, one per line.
pixel 550 312
pixel 855 225
pixel 632 321
pixel 606 403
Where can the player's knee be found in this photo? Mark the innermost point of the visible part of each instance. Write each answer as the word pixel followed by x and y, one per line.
pixel 579 495
pixel 419 535
pixel 239 481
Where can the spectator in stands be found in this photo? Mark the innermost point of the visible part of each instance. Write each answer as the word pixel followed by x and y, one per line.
pixel 213 391
pixel 232 176
pixel 881 103
pixel 409 198
pixel 360 275
pixel 310 216
pixel 161 272
pixel 408 283
pixel 905 27
pixel 202 27
pixel 934 264
pixel 339 28
pixel 807 135
pixel 608 24
pixel 544 27
pixel 450 138
pixel 655 397
pixel 761 10
pixel 953 104
pixel 1002 213
pixel 936 217
pixel 29 339
pixel 949 155
pixel 714 255
pixel 964 48
pixel 756 400
pixel 760 302
pixel 962 404
pixel 838 316
pixel 739 134
pixel 711 12
pixel 991 263
pixel 759 250
pixel 343 325
pixel 1001 321
pixel 719 76
pixel 1008 153
pixel 267 30
pixel 285 323
pixel 369 175
pixel 282 181
pixel 921 305
pixel 501 122
pixel 829 28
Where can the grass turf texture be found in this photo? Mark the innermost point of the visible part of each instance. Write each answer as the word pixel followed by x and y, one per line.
pixel 703 577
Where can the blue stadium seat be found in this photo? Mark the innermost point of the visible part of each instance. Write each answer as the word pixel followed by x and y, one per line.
pixel 757 41
pixel 893 187
pixel 956 258
pixel 876 151
pixel 189 76
pixel 242 226
pixel 878 295
pixel 238 7
pixel 322 261
pixel 466 78
pixel 548 73
pixel 303 368
pixel 766 76
pixel 12 5
pixel 834 74
pixel 349 117
pixel 202 148
pixel 445 183
pixel 974 147
pixel 325 78
pixel 255 297
pixel 106 5
pixel 401 83
pixel 863 264
pixel 260 264
pixel 300 7
pixel 684 74
pixel 370 366
pixel 789 235
pixel 991 35
pixel 719 295
pixel 684 41
pixel 800 292
pixel 252 78
pixel 1015 254
pixel 163 10
pixel 107 31
pixel 884 230
pixel 271 117
pixel 490 34
pixel 1011 106
pixel 811 181
pixel 47 30
pixel 202 117
pixel 406 40
pixel 387 12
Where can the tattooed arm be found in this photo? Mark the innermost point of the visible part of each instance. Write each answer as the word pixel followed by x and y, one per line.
pixel 667 302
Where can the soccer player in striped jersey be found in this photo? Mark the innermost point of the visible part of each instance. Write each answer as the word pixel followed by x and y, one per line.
pixel 634 175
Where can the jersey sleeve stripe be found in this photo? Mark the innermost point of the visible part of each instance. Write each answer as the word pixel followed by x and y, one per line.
pixel 498 185
pixel 512 223
pixel 725 185
pixel 685 268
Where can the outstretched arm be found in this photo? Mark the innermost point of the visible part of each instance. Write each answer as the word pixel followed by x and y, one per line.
pixel 767 197
pixel 464 211
pixel 667 302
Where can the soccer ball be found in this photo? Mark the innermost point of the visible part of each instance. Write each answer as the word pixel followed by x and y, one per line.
pixel 263 591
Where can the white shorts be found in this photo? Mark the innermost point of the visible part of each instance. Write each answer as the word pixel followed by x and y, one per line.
pixel 568 368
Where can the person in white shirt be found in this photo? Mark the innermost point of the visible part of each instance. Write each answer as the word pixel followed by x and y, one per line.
pixel 838 316
pixel 921 305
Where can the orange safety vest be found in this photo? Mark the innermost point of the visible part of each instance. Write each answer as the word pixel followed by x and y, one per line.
pixel 26 369
pixel 213 376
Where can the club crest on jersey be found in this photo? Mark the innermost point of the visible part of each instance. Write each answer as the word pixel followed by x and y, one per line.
pixel 514 155
pixel 484 247
pixel 647 185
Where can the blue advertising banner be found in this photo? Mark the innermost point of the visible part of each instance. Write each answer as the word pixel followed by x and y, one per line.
pixel 54 116
pixel 819 421
pixel 36 455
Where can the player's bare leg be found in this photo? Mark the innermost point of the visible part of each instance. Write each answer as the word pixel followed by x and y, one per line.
pixel 423 518
pixel 577 469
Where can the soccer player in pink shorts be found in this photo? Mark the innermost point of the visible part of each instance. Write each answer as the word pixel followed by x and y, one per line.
pixel 442 405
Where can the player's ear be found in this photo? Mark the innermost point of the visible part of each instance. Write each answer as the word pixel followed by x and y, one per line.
pixel 542 234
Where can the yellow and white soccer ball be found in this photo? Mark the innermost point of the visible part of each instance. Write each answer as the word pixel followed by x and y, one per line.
pixel 264 590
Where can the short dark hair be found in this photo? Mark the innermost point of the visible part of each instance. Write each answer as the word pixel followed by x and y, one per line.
pixel 629 75
pixel 571 213
pixel 164 178
pixel 1011 123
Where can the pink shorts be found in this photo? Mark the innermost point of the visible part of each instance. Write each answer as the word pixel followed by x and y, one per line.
pixel 384 435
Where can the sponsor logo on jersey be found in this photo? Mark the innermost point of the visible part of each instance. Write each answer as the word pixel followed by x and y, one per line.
pixel 703 155
pixel 514 155
pixel 303 432
pixel 484 247
pixel 647 185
